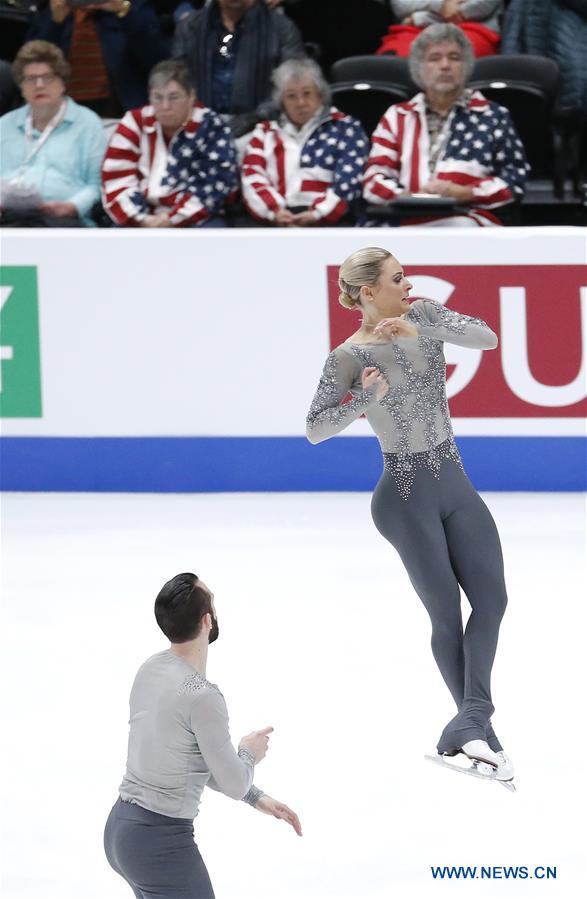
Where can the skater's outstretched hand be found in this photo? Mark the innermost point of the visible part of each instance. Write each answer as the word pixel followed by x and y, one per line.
pixel 257 743
pixel 372 376
pixel 395 327
pixel 279 810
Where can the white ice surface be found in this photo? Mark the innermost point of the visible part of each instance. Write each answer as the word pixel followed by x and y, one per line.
pixel 322 637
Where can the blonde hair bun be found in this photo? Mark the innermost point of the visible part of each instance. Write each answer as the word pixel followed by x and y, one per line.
pixel 361 268
pixel 346 300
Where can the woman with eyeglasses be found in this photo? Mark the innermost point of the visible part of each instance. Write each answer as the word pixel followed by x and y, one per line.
pixel 50 149
pixel 172 163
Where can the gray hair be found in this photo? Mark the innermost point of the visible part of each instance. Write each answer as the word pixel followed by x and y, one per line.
pixel 361 268
pixel 296 70
pixel 170 70
pixel 440 33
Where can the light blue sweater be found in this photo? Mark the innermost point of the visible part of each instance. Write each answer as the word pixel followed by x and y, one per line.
pixel 67 166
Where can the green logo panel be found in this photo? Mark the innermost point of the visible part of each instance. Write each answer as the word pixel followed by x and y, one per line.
pixel 20 367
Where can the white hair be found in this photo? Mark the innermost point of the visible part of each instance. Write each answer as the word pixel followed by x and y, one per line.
pixel 297 70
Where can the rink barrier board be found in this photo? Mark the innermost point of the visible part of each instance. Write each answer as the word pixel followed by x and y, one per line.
pixel 117 377
pixel 249 464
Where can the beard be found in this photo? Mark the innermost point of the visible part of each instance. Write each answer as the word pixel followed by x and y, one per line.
pixel 214 631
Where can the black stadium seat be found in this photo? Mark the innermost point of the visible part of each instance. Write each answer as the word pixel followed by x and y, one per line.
pixel 389 70
pixel 527 86
pixel 366 100
pixel 365 86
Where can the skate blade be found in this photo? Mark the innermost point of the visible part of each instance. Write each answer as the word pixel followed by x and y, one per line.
pixel 480 770
pixel 508 784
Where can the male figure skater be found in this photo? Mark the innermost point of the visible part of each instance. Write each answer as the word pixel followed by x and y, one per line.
pixel 179 743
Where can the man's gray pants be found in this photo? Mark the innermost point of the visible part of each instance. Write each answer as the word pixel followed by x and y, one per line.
pixel 155 854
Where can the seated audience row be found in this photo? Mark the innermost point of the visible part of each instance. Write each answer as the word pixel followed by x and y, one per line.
pixel 174 161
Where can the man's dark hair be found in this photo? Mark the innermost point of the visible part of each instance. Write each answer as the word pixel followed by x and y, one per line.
pixel 180 606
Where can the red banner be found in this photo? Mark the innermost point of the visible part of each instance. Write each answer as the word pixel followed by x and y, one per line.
pixel 539 313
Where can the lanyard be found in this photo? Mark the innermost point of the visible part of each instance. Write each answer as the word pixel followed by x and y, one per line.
pixel 440 141
pixel 31 148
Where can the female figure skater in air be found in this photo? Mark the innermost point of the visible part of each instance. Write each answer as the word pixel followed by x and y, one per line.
pixel 424 504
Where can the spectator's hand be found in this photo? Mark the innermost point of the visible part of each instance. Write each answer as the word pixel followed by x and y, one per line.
pixel 60 10
pixel 395 327
pixel 450 11
pixel 460 192
pixel 409 20
pixel 156 221
pixel 372 377
pixel 257 743
pixel 59 210
pixel 284 217
pixel 304 219
pixel 270 806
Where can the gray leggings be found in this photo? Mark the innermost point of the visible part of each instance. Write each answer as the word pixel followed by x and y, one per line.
pixel 446 537
pixel 155 854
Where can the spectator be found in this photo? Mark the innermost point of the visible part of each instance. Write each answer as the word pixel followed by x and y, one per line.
pixel 231 47
pixel 110 46
pixel 558 29
pixel 447 140
pixel 172 163
pixel 51 148
pixel 478 19
pixel 304 168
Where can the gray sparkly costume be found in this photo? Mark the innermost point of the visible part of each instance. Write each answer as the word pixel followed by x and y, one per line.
pixel 178 743
pixel 424 504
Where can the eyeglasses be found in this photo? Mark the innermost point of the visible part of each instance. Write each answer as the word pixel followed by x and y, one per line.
pixel 47 78
pixel 159 99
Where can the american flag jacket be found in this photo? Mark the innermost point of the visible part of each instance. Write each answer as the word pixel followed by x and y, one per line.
pixel 189 179
pixel 482 150
pixel 318 167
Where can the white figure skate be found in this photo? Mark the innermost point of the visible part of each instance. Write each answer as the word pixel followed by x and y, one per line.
pixel 477 759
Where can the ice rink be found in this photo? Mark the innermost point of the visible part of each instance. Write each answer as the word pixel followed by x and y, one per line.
pixel 322 637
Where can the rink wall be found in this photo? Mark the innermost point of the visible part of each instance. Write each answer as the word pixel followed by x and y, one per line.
pixel 186 361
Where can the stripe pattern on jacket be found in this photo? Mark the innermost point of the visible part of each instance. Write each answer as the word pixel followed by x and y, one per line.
pixel 190 180
pixel 482 151
pixel 322 172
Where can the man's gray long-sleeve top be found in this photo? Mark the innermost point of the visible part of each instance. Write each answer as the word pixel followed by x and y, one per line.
pixel 179 741
pixel 428 12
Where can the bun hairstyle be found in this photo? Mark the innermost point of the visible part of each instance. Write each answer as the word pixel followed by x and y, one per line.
pixel 361 268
